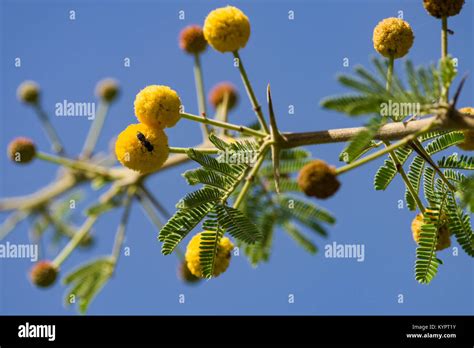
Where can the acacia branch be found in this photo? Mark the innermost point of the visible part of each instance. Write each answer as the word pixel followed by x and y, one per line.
pixel 452 120
pixel 449 120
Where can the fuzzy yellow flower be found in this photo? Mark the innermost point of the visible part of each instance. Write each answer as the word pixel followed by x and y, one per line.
pixel 443 8
pixel 227 29
pixel 158 106
pixel 393 37
pixel 107 89
pixel 28 92
pixel 444 240
pixel 222 258
pixel 468 143
pixel 142 148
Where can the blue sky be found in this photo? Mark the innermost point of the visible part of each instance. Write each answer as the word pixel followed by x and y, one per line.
pixel 300 59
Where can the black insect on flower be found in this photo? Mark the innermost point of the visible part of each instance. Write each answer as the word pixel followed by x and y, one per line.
pixel 144 141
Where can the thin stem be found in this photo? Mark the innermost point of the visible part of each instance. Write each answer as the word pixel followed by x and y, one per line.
pixel 199 81
pixel 384 151
pixel 391 64
pixel 444 47
pixel 222 113
pixel 229 126
pixel 147 207
pixel 120 235
pixel 251 93
pixel 405 178
pixel 95 130
pixel 250 177
pixel 74 164
pixel 75 241
pixel 10 223
pixel 158 206
pixel 49 130
pixel 186 149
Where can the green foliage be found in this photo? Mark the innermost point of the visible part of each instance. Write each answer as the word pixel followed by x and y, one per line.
pixel 460 226
pixel 414 176
pixel 219 180
pixel 454 162
pixel 210 239
pixel 467 193
pixel 388 171
pixel 426 265
pixel 425 86
pixel 87 280
pixel 362 142
pixel 269 210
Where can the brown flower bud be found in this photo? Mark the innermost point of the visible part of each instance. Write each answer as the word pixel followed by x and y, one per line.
pixel 318 179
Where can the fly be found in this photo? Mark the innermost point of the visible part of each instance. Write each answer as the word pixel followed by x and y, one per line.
pixel 144 142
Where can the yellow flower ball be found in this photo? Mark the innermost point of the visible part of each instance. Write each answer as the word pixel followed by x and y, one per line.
pixel 107 89
pixel 443 8
pixel 444 240
pixel 222 259
pixel 158 106
pixel 28 92
pixel 393 37
pixel 468 143
pixel 227 29
pixel 142 148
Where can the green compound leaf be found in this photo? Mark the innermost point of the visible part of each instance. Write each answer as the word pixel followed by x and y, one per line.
pixel 208 178
pixel 300 238
pixel 445 141
pixel 260 251
pixel 460 225
pixel 415 174
pixel 426 265
pixel 388 171
pixel 180 224
pixel 208 246
pixel 237 224
pixel 200 197
pixel 454 162
pixel 362 142
pixel 87 281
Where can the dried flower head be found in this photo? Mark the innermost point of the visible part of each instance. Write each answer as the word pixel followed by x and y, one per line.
pixel 107 89
pixel 444 240
pixel 227 29
pixel 468 143
pixel 318 179
pixel 158 106
pixel 218 92
pixel 28 92
pixel 393 37
pixel 223 256
pixel 43 274
pixel 191 39
pixel 443 8
pixel 21 150
pixel 142 148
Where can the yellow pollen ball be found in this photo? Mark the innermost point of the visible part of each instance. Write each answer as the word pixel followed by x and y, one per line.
pixel 223 256
pixel 393 37
pixel 227 29
pixel 158 106
pixel 142 148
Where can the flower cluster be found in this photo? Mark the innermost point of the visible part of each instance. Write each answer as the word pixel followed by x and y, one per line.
pixel 143 147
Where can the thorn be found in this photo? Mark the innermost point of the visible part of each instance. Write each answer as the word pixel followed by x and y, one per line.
pixel 277 138
pixel 458 91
